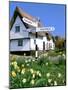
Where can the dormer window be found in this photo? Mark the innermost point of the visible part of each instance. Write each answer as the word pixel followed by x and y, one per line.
pixel 17 28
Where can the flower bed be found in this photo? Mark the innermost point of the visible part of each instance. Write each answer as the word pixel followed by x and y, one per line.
pixel 29 72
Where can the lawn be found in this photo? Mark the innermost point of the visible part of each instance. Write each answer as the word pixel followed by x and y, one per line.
pixel 47 70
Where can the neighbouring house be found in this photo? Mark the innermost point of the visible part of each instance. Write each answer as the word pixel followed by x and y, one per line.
pixel 23 36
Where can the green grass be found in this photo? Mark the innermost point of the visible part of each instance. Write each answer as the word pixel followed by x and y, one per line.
pixel 29 72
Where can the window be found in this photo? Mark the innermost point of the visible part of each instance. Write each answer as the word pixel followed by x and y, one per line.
pixel 17 29
pixel 20 42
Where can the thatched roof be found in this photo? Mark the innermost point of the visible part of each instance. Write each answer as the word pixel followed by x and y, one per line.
pixel 19 12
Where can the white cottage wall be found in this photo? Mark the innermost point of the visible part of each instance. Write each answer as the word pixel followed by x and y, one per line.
pixel 22 34
pixel 39 42
pixel 25 47
pixel 28 44
pixel 49 44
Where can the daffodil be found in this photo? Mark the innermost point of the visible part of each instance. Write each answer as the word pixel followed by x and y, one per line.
pixel 49 80
pixel 15 63
pixel 55 83
pixel 59 75
pixel 27 64
pixel 46 63
pixel 18 68
pixel 13 74
pixel 31 70
pixel 15 66
pixel 23 71
pixel 60 52
pixel 38 72
pixel 33 76
pixel 26 61
pixel 22 65
pixel 48 74
pixel 63 56
pixel 32 82
pixel 29 60
pixel 33 60
pixel 39 75
pixel 24 80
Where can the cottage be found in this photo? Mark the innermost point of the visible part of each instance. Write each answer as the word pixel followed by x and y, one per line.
pixel 23 36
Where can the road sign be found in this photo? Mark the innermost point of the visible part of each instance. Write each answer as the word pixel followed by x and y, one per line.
pixel 30 22
pixel 43 29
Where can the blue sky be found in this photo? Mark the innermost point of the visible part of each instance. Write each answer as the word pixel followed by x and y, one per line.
pixel 49 14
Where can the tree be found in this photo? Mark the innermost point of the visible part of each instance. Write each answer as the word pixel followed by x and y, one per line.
pixel 59 42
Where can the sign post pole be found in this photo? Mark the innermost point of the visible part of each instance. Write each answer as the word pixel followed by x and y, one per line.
pixel 43 46
pixel 36 47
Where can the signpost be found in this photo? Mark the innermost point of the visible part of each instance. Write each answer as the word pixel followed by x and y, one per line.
pixel 38 29
pixel 44 29
pixel 30 22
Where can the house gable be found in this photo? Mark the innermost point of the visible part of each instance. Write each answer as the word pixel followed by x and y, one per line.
pixel 18 22
pixel 23 33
